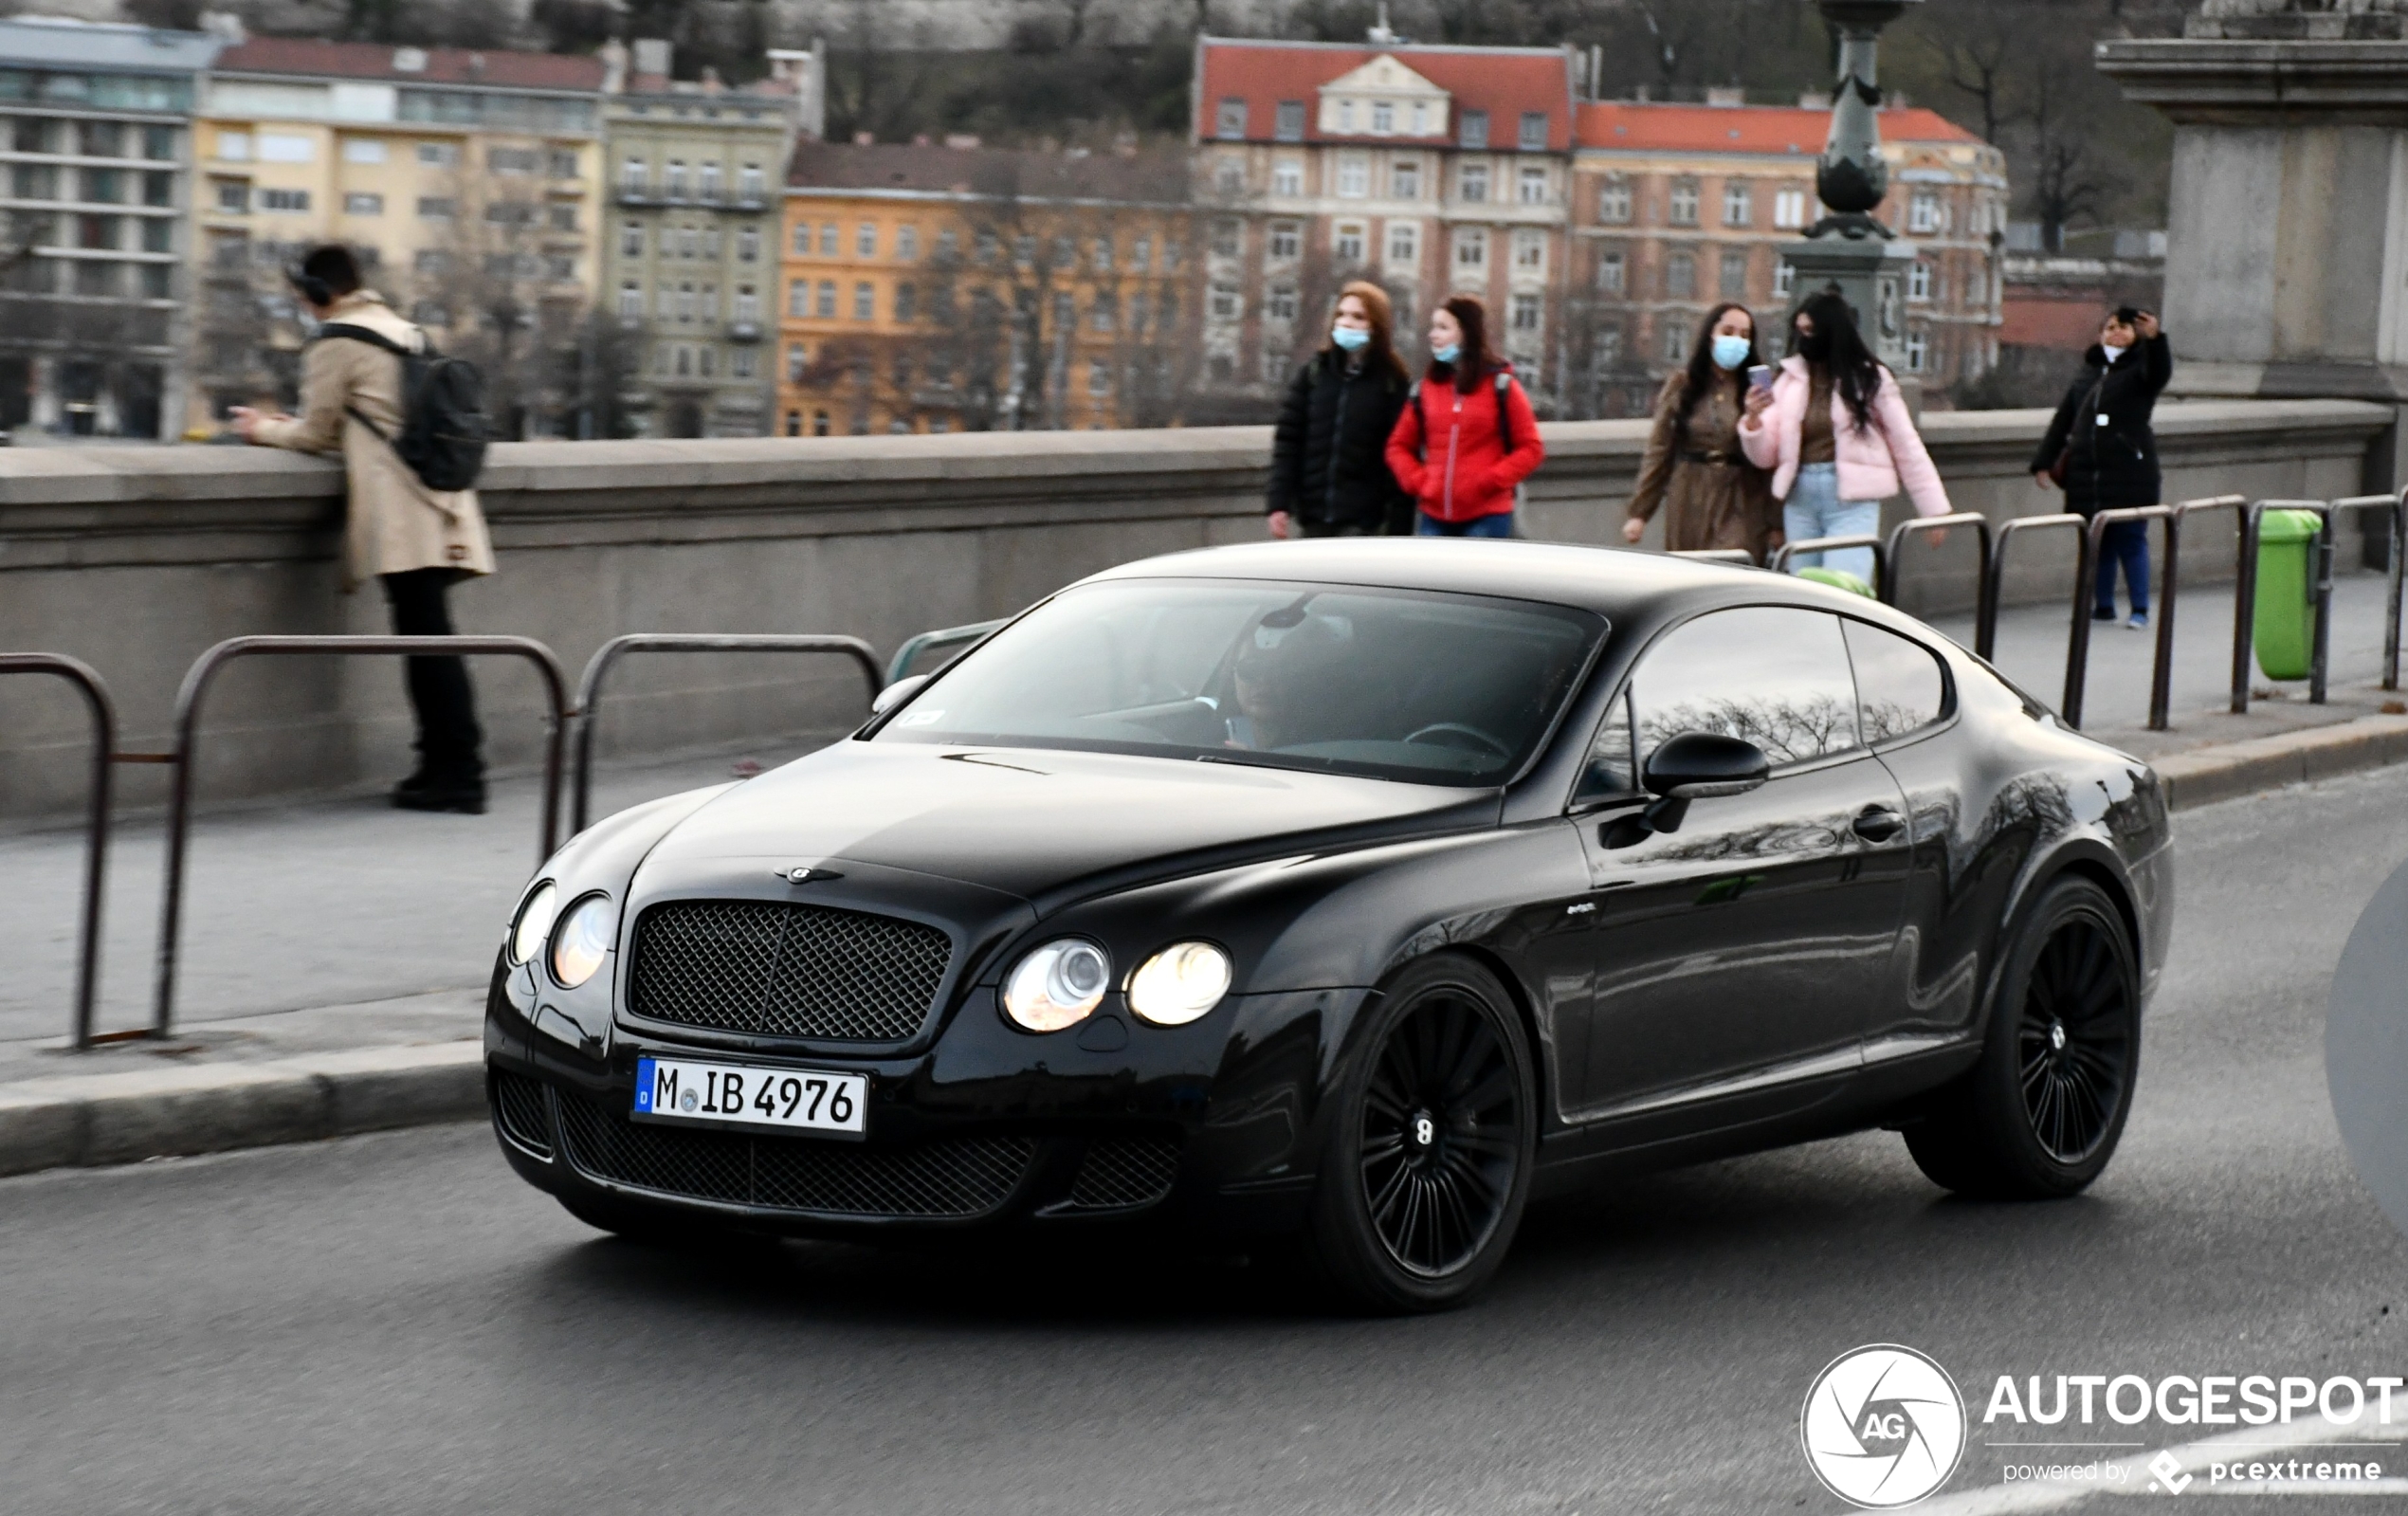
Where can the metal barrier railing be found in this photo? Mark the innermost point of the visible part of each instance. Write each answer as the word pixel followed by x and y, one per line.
pixel 96 846
pixel 1833 544
pixel 1977 523
pixel 2245 591
pixel 2077 641
pixel 184 756
pixel 2394 566
pixel 927 642
pixel 590 687
pixel 1985 633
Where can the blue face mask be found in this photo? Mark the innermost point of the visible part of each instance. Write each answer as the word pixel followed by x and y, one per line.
pixel 1730 352
pixel 1448 353
pixel 1350 338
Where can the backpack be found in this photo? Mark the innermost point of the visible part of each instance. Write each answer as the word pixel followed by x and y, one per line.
pixel 443 429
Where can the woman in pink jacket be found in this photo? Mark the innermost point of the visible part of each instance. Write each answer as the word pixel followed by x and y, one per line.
pixel 1835 431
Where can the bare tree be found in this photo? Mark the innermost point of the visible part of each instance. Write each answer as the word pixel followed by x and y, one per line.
pixel 2067 183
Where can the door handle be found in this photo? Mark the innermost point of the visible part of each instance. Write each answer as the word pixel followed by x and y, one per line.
pixel 1879 825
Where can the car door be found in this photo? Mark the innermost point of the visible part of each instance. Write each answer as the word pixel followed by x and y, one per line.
pixel 1741 952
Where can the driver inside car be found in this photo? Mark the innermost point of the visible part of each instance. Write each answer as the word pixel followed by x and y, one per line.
pixel 1285 670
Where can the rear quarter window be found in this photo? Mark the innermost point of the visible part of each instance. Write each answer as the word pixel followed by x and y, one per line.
pixel 1901 686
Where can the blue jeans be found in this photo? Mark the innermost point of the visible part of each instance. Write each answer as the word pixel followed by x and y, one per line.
pixel 1501 524
pixel 1814 510
pixel 2125 543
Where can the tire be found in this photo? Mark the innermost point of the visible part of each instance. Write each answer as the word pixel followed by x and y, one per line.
pixel 1431 1138
pixel 2040 1115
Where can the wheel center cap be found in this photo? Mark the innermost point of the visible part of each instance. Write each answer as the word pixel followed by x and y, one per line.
pixel 2057 1036
pixel 1423 1129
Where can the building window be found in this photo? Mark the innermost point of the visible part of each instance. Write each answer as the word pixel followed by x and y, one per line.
pixel 748 304
pixel 283 199
pixel 631 300
pixel 1608 351
pixel 1738 204
pixel 1918 350
pixel 819 423
pixel 431 261
pixel 1529 252
pixel 1232 125
pixel 1421 117
pixel 1472 184
pixel 802 239
pixel 674 185
pixel 1684 207
pixel 1530 186
pixel 1346 116
pixel 512 160
pixel 1287 178
pixel 1471 249
pixel 753 183
pixel 865 240
pixel 826 307
pixel 740 363
pixel 1680 275
pixel 1675 338
pixel 1534 131
pixel 1919 282
pixel 1734 282
pixel 1789 210
pixel 356 150
pixel 1784 280
pixel 1404 243
pixel 865 301
pixel 1141 253
pixel 158 143
pixel 1227 304
pixel 1354 175
pixel 827 232
pixel 1227 237
pixel 709 172
pixel 1474 130
pixel 748 245
pixel 1614 200
pixel 1290 122
pixel 798 296
pixel 688 242
pixel 1404 179
pixel 1099 376
pixel 446 155
pixel 436 208
pixel 1384 118
pixel 798 359
pixel 1523 314
pixel 1104 315
pixel 233 196
pixel 1103 255
pixel 906 302
pixel 1286 242
pixel 363 204
pixel 561 218
pixel 1924 215
pixel 1347 243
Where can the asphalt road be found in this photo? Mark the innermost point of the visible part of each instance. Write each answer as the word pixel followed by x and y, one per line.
pixel 395 1323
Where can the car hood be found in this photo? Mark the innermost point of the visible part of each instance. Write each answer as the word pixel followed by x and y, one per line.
pixel 1047 826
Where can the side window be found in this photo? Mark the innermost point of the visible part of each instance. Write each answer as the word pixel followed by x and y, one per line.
pixel 1900 687
pixel 1610 771
pixel 1772 675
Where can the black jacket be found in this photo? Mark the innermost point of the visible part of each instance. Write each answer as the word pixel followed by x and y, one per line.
pixel 1328 465
pixel 2110 465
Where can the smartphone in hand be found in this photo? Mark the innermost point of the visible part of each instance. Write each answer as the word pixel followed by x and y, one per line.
pixel 1761 378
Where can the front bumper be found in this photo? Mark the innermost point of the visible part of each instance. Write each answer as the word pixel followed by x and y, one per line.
pixel 1206 1125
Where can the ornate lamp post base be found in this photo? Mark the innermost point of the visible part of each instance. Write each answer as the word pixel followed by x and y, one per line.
pixel 1849 250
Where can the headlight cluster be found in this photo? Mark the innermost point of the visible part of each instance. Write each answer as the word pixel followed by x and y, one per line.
pixel 579 941
pixel 1061 984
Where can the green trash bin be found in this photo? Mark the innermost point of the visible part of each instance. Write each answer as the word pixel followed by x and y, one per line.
pixel 1839 580
pixel 2287 592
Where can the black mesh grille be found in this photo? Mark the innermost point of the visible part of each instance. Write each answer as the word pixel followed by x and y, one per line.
pixel 518 1108
pixel 962 1177
pixel 787 971
pixel 1124 1171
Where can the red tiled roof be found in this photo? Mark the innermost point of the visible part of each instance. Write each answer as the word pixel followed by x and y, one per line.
pixel 445 66
pixel 1504 82
pixel 1753 129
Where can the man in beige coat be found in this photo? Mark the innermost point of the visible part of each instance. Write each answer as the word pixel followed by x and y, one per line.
pixel 415 541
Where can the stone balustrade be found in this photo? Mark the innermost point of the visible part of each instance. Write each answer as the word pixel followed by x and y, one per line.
pixel 136 558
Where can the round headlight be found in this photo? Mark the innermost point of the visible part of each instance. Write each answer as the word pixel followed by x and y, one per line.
pixel 1179 983
pixel 582 941
pixel 533 923
pixel 1058 985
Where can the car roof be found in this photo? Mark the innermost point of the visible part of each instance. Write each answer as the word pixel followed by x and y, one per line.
pixel 1624 585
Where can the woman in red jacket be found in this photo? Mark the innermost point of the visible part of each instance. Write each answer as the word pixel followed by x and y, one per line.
pixel 1467 437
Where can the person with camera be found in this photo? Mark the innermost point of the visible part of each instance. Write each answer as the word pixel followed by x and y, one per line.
pixel 2101 451
pixel 1695 471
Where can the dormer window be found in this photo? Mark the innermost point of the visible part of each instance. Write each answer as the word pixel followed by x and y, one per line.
pixel 1292 122
pixel 1475 129
pixel 1231 122
pixel 1421 118
pixel 1345 116
pixel 1534 131
pixel 1383 118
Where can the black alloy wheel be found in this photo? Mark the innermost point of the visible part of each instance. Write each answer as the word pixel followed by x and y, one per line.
pixel 2040 1115
pixel 1432 1143
pixel 2075 1044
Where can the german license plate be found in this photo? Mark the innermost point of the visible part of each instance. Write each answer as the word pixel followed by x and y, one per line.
pixel 789 1100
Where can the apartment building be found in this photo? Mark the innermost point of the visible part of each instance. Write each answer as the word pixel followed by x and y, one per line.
pixel 1677 208
pixel 1428 170
pixel 958 287
pixel 469 182
pixel 696 173
pixel 96 129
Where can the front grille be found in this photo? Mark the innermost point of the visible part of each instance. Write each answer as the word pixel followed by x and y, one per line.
pixel 1121 1173
pixel 517 1110
pixel 787 971
pixel 965 1177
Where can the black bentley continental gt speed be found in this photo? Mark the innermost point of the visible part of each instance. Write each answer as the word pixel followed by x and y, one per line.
pixel 1356 890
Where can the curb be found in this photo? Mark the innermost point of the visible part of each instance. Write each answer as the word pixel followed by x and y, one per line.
pixel 2260 763
pixel 80 1120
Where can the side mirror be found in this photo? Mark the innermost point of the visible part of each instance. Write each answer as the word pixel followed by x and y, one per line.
pixel 1692 766
pixel 896 693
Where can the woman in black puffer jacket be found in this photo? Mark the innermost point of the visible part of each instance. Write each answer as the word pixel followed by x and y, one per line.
pixel 2102 438
pixel 1329 475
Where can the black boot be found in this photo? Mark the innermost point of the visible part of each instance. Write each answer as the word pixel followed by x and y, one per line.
pixel 466 796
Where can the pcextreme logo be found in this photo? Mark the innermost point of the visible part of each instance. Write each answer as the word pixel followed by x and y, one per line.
pixel 1883 1426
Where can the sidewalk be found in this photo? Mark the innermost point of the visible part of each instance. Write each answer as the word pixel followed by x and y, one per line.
pixel 335 952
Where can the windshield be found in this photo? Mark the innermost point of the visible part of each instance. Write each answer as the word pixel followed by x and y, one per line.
pixel 1403 684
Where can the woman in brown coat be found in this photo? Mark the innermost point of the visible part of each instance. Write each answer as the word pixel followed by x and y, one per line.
pixel 1694 470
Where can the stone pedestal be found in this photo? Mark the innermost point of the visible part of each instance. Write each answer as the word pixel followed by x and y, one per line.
pixel 1870 275
pixel 2287 264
